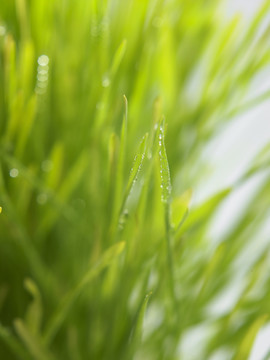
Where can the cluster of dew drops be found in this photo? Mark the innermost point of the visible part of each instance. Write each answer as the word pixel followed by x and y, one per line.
pixel 138 170
pixel 164 168
pixel 42 74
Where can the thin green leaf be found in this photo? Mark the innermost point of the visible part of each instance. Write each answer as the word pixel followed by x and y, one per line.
pixel 13 344
pixel 205 210
pixel 33 317
pixel 28 120
pixel 136 168
pixel 32 343
pixel 118 57
pixel 244 349
pixel 137 331
pixel 165 185
pixel 122 151
pixel 165 178
pixel 179 209
pixel 261 161
pixel 60 315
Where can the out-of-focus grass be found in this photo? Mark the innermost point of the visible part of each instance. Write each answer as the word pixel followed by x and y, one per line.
pixel 96 233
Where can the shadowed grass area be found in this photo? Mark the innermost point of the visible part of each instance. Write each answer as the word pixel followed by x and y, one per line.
pixel 102 254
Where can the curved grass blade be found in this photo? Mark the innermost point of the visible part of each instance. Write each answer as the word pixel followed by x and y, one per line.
pixel 136 335
pixel 205 210
pixel 138 326
pixel 164 169
pixel 119 178
pixel 13 344
pixel 117 59
pixel 179 209
pixel 120 52
pixel 166 200
pixel 28 120
pixel 261 161
pixel 70 183
pixel 62 312
pixel 34 311
pixel 248 340
pixel 32 343
pixel 123 146
pixel 136 168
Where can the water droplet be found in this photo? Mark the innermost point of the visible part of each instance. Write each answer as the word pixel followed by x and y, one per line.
pixel 43 60
pixel 42 78
pixel 42 75
pixel 40 91
pixel 159 143
pixel 14 173
pixel 42 85
pixel 99 105
pixel 160 136
pixel 105 81
pixel 42 71
pixel 42 199
pixel 2 30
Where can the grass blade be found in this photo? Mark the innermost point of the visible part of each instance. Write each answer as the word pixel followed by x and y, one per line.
pixel 165 185
pixel 136 168
pixel 62 312
pixel 244 349
pixel 13 344
pixel 179 209
pixel 31 342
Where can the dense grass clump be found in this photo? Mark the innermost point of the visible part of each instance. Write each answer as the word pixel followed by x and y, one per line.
pixel 102 253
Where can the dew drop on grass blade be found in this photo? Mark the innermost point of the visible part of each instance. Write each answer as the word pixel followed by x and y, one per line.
pixel 138 325
pixel 165 184
pixel 123 146
pixel 109 79
pixel 119 174
pixel 164 168
pixel 136 167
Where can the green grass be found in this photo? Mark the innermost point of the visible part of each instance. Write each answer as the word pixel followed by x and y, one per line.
pixel 102 254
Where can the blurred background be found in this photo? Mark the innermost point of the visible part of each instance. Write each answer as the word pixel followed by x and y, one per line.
pixel 64 69
pixel 228 156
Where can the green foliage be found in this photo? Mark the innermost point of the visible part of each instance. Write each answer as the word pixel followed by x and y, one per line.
pixel 93 217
